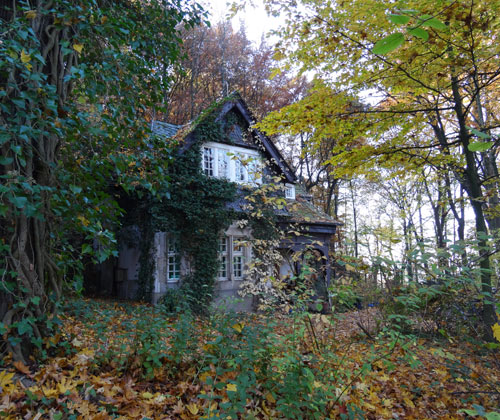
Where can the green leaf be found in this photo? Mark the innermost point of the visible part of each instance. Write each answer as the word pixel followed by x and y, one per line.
pixel 479 134
pixel 468 411
pixel 480 146
pixel 19 202
pixel 86 249
pixel 492 416
pixel 479 409
pixel 399 19
pixel 24 327
pixel 419 33
pixel 432 22
pixel 75 189
pixel 388 44
pixel 35 300
pixel 16 149
pixel 20 103
pixel 409 11
pixel 4 138
pixel 5 160
pixel 492 346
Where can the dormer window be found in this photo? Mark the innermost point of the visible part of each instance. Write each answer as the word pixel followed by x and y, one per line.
pixel 222 164
pixel 290 191
pixel 233 163
pixel 208 161
pixel 240 169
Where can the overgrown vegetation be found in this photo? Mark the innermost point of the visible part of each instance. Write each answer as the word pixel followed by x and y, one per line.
pixel 132 360
pixel 76 85
pixel 194 214
pixel 404 100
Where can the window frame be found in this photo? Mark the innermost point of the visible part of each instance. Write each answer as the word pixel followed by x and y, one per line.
pixel 290 191
pixel 174 254
pixel 240 254
pixel 239 161
pixel 236 259
pixel 223 255
pixel 208 160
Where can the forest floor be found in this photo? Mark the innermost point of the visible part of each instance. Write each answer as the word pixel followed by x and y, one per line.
pixel 130 361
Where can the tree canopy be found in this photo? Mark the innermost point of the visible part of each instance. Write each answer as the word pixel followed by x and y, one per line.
pixel 400 84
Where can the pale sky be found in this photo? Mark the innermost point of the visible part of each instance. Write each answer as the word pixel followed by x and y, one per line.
pixel 255 17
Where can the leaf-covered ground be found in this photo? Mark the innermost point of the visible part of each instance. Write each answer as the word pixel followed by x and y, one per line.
pixel 131 361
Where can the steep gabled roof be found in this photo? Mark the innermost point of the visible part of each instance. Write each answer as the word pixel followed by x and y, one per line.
pixel 233 102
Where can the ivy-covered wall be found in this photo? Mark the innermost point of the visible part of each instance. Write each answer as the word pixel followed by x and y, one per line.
pixel 194 211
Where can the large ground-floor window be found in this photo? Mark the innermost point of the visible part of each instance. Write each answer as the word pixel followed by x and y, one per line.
pixel 233 255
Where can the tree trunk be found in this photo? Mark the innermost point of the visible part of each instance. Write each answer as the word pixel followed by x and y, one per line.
pixel 473 188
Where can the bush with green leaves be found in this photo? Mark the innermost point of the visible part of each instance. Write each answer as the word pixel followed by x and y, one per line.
pixel 251 361
pixel 449 299
pixel 344 297
pixel 235 360
pixel 175 300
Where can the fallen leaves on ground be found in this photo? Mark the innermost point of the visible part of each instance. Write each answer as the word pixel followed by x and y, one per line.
pixel 410 379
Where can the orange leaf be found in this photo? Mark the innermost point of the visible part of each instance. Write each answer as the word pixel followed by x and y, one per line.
pixel 21 367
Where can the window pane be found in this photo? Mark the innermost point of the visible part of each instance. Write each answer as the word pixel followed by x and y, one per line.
pixel 238 266
pixel 223 268
pixel 252 169
pixel 223 164
pixel 240 169
pixel 208 161
pixel 238 245
pixel 173 261
pixel 223 244
pixel 222 249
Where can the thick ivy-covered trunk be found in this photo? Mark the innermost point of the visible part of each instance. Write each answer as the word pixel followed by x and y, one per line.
pixel 34 93
pixel 77 81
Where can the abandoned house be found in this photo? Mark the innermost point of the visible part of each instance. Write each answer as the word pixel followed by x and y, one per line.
pixel 229 154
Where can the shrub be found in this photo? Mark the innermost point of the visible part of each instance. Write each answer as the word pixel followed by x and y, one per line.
pixel 174 301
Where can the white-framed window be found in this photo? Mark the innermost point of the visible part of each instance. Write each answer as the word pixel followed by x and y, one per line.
pixel 240 168
pixel 208 161
pixel 290 191
pixel 234 163
pixel 238 257
pixel 223 258
pixel 222 164
pixel 173 261
pixel 232 254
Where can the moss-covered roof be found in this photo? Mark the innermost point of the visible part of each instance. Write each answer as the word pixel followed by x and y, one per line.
pixel 301 210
